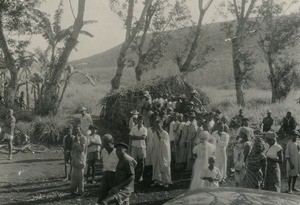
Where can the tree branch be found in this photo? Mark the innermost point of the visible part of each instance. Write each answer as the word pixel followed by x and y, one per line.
pixel 236 10
pixel 243 9
pixel 200 5
pixel 208 4
pixel 128 23
pixel 250 8
pixel 149 16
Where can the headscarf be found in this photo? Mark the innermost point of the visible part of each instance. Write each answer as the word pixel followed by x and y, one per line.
pixel 204 136
pixel 258 146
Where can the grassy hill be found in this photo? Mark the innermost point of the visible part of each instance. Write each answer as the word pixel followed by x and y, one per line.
pixel 217 73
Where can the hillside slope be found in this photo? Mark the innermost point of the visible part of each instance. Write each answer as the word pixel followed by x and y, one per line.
pixel 217 73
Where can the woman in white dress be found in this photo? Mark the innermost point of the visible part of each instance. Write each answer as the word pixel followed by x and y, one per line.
pixel 203 151
pixel 221 139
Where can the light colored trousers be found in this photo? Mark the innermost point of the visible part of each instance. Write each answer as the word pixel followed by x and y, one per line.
pixel 77 180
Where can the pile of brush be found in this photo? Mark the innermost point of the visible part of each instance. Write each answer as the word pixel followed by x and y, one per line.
pixel 117 105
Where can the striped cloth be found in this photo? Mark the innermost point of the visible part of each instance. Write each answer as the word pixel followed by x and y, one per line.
pixel 254 176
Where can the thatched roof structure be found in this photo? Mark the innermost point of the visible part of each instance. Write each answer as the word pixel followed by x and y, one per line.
pixel 117 105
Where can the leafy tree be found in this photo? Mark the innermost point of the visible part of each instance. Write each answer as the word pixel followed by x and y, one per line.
pixel 126 11
pixel 61 43
pixel 15 20
pixel 186 60
pixel 278 33
pixel 237 32
pixel 161 18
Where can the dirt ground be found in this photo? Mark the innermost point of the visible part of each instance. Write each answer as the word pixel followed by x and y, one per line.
pixel 37 179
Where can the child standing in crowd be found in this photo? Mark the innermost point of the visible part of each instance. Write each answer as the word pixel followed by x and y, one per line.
pixel 292 165
pixel 68 141
pixel 211 174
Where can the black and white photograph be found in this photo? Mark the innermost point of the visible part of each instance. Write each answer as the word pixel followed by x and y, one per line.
pixel 149 102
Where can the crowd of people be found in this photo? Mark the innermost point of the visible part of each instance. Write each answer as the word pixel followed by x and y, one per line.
pixel 178 134
pixel 169 133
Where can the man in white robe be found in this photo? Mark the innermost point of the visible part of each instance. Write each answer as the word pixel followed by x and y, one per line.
pixel 161 157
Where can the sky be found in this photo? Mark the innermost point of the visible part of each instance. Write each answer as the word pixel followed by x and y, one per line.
pixel 109 31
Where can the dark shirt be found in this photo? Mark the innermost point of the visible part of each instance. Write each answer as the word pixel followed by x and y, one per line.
pixel 268 122
pixel 237 121
pixel 124 170
pixel 68 142
pixel 181 107
pixel 288 124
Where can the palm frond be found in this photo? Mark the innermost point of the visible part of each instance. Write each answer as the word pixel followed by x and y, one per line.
pixel 89 22
pixel 86 33
pixel 44 25
pixel 57 18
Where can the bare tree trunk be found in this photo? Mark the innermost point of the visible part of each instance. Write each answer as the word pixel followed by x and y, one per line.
pixel 138 72
pixel 50 94
pixel 237 73
pixel 115 82
pixel 242 16
pixel 34 98
pixel 185 67
pixel 11 89
pixel 192 53
pixel 27 91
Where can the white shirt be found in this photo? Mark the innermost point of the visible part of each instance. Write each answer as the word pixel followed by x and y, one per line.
pixel 110 161
pixel 95 139
pixel 273 150
pixel 85 122
pixel 131 123
pixel 138 132
pixel 171 132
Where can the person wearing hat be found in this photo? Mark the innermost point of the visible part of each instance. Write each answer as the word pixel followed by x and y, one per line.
pixel 267 122
pixel 85 120
pixel 190 140
pixel 138 134
pixel 274 157
pixel 240 153
pixel 161 156
pixel 67 142
pixel 197 102
pixel 94 146
pixel 123 184
pixel 293 161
